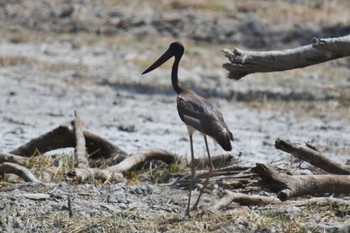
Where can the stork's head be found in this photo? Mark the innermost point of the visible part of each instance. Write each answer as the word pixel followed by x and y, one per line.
pixel 176 49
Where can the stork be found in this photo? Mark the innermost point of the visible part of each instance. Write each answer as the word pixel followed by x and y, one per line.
pixel 197 113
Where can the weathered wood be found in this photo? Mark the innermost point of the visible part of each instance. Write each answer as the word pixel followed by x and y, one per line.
pixel 312 156
pixel 138 158
pixel 289 186
pixel 85 174
pixel 60 137
pixel 125 165
pixel 79 150
pixel 243 62
pixel 18 170
pixel 64 137
pixel 244 199
pixel 12 159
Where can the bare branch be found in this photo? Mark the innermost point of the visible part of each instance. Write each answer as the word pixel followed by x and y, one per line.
pixel 79 151
pixel 312 156
pixel 294 186
pixel 84 174
pixel 138 158
pixel 115 172
pixel 245 199
pixel 12 159
pixel 18 170
pixel 60 137
pixel 64 137
pixel 243 62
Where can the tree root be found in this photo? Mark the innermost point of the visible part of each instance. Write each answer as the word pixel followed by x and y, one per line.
pixel 18 170
pixel 294 186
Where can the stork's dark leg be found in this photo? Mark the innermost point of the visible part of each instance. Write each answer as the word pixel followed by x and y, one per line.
pixel 210 172
pixel 193 170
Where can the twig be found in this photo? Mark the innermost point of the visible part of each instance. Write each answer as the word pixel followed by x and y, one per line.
pixel 69 205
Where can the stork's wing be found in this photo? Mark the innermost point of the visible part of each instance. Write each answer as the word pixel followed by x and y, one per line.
pixel 204 117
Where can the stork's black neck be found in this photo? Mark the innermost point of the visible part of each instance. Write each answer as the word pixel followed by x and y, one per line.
pixel 174 78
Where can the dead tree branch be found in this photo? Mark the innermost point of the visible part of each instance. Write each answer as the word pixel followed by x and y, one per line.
pixel 18 170
pixel 312 156
pixel 12 159
pixel 124 166
pixel 79 151
pixel 60 137
pixel 64 137
pixel 244 199
pixel 294 186
pixel 243 62
pixel 106 174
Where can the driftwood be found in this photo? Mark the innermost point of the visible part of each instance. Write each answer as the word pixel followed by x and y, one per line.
pixel 312 156
pixel 115 172
pixel 79 151
pixel 289 186
pixel 13 159
pixel 64 137
pixel 18 170
pixel 244 199
pixel 106 174
pixel 243 63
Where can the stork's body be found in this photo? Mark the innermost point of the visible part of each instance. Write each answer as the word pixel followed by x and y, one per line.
pixel 197 113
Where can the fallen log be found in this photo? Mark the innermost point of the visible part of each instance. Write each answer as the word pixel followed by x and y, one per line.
pixel 243 62
pixel 312 156
pixel 64 137
pixel 60 137
pixel 289 186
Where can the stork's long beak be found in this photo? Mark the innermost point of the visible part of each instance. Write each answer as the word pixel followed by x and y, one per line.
pixel 166 56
